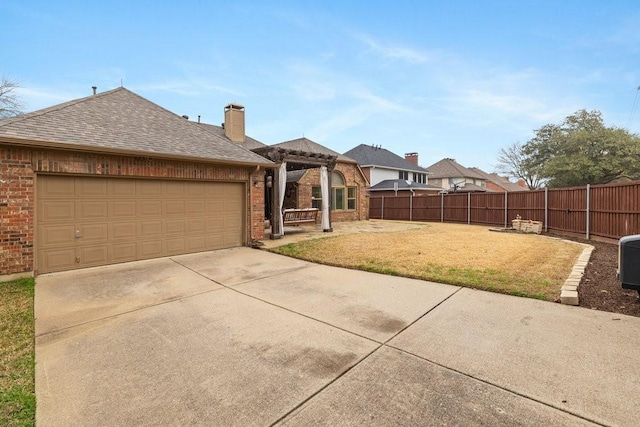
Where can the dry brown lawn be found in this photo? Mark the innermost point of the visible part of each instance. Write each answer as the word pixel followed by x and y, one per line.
pixel 472 256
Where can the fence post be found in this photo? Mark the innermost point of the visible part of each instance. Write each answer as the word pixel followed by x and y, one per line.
pixel 411 207
pixel 506 211
pixel 382 209
pixel 588 207
pixel 469 207
pixel 441 207
pixel 546 209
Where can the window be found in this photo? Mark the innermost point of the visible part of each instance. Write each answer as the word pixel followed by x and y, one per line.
pixel 342 197
pixel 316 198
pixel 403 175
pixel 351 198
pixel 420 177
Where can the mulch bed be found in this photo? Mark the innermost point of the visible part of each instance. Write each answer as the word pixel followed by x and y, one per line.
pixel 600 288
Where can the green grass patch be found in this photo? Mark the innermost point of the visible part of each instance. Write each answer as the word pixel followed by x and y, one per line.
pixel 17 353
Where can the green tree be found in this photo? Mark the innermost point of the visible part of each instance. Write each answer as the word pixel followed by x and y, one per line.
pixel 10 104
pixel 582 150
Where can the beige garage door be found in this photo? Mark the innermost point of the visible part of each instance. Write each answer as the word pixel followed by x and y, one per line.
pixel 85 222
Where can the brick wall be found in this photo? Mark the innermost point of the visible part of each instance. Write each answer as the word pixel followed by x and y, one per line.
pixel 353 178
pixel 16 211
pixel 18 167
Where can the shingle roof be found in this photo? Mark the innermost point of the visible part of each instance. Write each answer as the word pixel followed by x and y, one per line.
pixel 449 168
pixel 122 121
pixel 366 155
pixel 249 143
pixel 499 180
pixel 304 144
pixel 389 184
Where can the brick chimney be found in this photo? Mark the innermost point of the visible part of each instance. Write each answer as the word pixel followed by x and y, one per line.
pixel 412 158
pixel 234 122
pixel 522 184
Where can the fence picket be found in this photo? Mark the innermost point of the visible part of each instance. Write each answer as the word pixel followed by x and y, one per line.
pixel 606 210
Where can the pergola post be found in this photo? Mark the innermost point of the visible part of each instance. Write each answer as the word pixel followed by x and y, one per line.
pixel 276 213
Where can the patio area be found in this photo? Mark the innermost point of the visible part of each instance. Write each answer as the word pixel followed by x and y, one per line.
pixel 294 234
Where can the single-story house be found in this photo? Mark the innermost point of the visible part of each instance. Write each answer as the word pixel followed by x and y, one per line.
pixel 349 200
pixel 114 177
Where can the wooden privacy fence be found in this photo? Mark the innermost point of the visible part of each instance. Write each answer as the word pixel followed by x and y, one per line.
pixel 607 211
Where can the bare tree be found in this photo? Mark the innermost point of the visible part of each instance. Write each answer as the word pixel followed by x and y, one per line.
pixel 10 104
pixel 512 162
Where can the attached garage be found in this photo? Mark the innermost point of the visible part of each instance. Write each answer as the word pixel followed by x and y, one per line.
pixel 113 178
pixel 90 221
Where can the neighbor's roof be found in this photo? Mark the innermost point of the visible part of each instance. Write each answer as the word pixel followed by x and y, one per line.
pixel 304 144
pixel 449 168
pixel 121 122
pixel 499 180
pixel 389 184
pixel 367 155
pixel 469 188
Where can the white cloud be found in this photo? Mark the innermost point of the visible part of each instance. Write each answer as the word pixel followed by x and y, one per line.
pixel 35 98
pixel 392 52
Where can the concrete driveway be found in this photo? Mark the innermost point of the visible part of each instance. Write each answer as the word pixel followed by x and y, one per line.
pixel 246 337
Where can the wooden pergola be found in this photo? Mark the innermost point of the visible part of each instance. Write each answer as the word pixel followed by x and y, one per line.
pixel 294 160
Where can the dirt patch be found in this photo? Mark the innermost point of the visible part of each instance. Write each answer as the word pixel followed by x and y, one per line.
pixel 600 288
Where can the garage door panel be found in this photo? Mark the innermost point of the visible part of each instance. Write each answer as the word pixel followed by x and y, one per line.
pixel 149 208
pixel 194 207
pixel 174 246
pixel 195 190
pixel 152 228
pixel 195 225
pixel 150 249
pixel 52 212
pixel 92 210
pixel 129 219
pixel 173 189
pixel 91 233
pixel 123 230
pixel 56 187
pixel 56 235
pixel 214 224
pixel 122 209
pixel 196 243
pixel 173 207
pixel 173 226
pixel 149 188
pixel 122 188
pixel 90 256
pixel 57 259
pixel 214 207
pixel 123 252
pixel 91 188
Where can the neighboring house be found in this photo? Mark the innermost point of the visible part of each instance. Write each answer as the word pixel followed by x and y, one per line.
pixel 114 177
pixel 453 177
pixel 379 164
pixel 349 199
pixel 497 183
pixel 402 188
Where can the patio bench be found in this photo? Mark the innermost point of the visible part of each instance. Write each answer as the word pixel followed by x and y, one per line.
pixel 299 216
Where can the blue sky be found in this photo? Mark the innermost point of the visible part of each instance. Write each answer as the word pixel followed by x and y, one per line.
pixel 458 79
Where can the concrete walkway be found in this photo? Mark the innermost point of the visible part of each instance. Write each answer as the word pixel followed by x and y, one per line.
pixel 246 337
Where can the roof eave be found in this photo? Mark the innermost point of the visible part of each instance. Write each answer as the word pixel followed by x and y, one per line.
pixel 121 152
